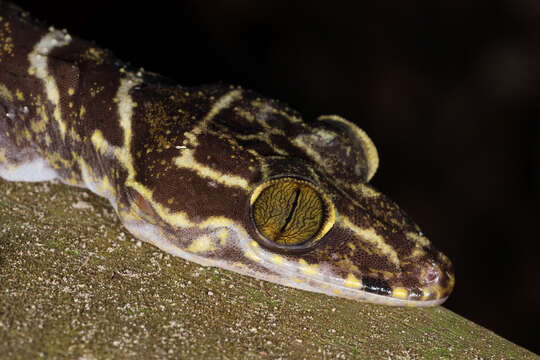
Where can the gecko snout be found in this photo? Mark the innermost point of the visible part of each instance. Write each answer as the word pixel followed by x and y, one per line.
pixel 436 277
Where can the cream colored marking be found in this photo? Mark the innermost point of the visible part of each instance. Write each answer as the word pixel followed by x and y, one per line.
pixel 178 219
pixel 426 293
pixel 401 293
pixel 33 170
pixel 416 252
pixel 5 93
pixel 307 268
pixel 40 125
pixel 261 160
pixel 366 191
pixel 319 136
pixel 203 243
pixel 367 145
pixel 123 153
pixel 39 68
pixel 371 236
pixel 246 115
pixel 186 161
pixel 267 109
pixel 418 238
pixel 251 255
pixel 277 259
pixel 19 95
pixel 216 222
pixel 302 141
pixel 386 274
pixel 99 142
pixel 125 112
pixel 74 134
pixel 353 282
pixel 101 187
pixel 106 188
pixel 236 146
pixel 223 235
pixel 264 137
pixel 260 120
pixel 221 104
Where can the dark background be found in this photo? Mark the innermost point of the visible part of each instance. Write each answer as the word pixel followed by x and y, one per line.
pixel 450 94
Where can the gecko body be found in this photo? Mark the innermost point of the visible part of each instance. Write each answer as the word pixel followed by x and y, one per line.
pixel 218 175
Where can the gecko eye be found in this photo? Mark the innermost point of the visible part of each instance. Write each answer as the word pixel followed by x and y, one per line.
pixel 290 215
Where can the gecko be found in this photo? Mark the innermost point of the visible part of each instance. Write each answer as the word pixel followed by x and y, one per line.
pixel 215 174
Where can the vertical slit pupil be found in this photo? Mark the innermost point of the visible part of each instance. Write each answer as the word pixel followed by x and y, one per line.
pixel 293 207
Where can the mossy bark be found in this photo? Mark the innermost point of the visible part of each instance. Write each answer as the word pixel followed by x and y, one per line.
pixel 75 284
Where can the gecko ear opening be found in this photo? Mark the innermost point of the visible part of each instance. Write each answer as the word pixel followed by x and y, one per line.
pixel 341 148
pixel 290 215
pixel 140 202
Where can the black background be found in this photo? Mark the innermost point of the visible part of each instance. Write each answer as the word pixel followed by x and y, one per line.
pixel 448 92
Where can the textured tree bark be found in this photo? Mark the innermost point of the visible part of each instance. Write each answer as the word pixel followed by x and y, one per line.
pixel 75 284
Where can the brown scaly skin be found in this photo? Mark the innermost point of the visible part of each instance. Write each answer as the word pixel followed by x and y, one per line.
pixel 186 167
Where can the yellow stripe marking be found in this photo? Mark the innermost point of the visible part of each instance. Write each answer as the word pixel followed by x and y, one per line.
pixel 19 95
pixel 222 103
pixel 38 67
pixel 401 293
pixel 309 269
pixel 223 235
pixel 372 237
pixel 201 244
pixel 417 238
pixel 251 255
pixel 187 161
pixel 352 282
pixel 304 142
pixel 277 259
pixel 368 146
pixel 365 190
pixel 5 93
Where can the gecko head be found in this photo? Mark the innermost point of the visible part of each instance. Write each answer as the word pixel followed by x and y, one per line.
pixel 358 245
pixel 320 223
pixel 303 217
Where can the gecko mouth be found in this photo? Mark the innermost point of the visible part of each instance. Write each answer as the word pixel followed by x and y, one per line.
pixel 321 279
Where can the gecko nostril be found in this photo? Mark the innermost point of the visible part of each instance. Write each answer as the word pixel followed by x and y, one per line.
pixel 432 275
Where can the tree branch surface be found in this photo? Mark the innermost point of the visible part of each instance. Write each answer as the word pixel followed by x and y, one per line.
pixel 75 284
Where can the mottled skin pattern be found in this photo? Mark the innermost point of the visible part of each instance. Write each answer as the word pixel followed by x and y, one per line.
pixel 182 167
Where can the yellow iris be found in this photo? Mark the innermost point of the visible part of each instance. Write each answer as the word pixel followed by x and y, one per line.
pixel 289 211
